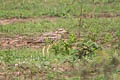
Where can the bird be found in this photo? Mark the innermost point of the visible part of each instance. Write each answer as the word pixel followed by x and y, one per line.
pixel 48 39
pixel 54 36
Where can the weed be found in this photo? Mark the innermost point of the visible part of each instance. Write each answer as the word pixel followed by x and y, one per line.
pixel 64 46
pixel 87 48
pixel 73 47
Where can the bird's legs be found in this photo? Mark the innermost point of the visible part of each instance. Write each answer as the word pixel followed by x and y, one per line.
pixel 46 49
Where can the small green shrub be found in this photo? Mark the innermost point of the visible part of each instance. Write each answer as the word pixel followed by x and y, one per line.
pixel 73 46
pixel 64 46
pixel 86 48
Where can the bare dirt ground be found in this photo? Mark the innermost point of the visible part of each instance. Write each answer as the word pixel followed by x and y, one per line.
pixel 15 20
pixel 53 18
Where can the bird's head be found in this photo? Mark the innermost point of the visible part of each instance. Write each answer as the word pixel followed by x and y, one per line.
pixel 61 31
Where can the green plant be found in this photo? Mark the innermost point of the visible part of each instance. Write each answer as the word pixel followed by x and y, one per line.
pixel 74 47
pixel 65 46
pixel 86 48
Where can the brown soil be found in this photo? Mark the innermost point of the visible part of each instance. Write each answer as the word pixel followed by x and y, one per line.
pixel 53 18
pixel 15 20
pixel 102 15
